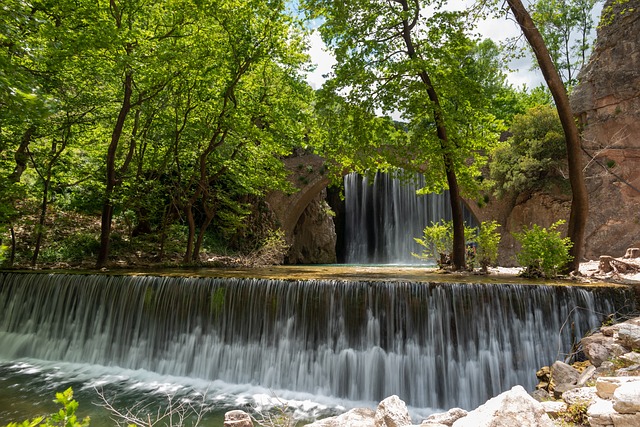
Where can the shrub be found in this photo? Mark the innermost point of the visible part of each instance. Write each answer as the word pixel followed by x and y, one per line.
pixel 488 240
pixel 543 251
pixel 437 241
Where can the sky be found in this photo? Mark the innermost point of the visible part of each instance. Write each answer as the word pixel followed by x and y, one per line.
pixel 499 29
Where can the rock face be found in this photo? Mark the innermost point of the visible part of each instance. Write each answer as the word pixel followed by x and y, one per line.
pixel 607 103
pixel 314 237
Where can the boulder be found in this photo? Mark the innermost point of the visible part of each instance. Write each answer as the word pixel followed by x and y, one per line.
pixel 511 408
pixel 554 407
pixel 626 398
pixel 392 412
pixel 445 418
pixel 626 420
pixel 237 418
pixel 586 375
pixel 562 373
pixel 358 417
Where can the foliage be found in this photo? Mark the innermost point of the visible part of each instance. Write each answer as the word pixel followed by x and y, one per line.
pixel 437 241
pixel 544 252
pixel 488 240
pixel 65 417
pixel 566 27
pixel 193 104
pixel 534 154
pixel 272 250
pixel 575 414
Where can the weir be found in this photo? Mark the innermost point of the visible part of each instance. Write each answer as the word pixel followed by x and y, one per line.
pixel 383 214
pixel 434 345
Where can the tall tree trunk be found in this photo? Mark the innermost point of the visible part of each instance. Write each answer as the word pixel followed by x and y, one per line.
pixel 458 255
pixel 580 199
pixel 107 204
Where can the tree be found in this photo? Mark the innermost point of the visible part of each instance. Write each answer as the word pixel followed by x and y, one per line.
pixel 579 202
pixel 565 26
pixel 392 57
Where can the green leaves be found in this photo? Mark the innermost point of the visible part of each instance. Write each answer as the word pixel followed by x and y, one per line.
pixel 65 417
pixel 544 252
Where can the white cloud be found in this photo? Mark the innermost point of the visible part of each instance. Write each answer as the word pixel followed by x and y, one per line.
pixel 322 59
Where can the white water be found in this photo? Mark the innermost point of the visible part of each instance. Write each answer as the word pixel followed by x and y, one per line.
pixel 383 215
pixel 434 345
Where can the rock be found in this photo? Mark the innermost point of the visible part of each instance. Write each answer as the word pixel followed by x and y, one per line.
pixel 560 389
pixel 607 104
pixel 314 236
pixel 586 375
pixel 511 408
pixel 446 418
pixel 606 386
pixel 632 253
pixel 629 335
pixel 626 398
pixel 540 395
pixel 596 352
pixel 633 357
pixel 554 408
pixel 562 373
pixel 580 395
pixel 392 412
pixel 626 420
pixel 358 417
pixel 604 264
pixel 599 413
pixel 237 418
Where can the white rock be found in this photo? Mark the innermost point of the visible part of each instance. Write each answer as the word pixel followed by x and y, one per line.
pixel 633 357
pixel 358 417
pixel 446 418
pixel 586 375
pixel 580 395
pixel 554 407
pixel 607 385
pixel 392 412
pixel 626 398
pixel 511 408
pixel 599 413
pixel 629 334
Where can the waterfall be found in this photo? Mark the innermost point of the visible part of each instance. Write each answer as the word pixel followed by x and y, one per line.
pixel 384 214
pixel 434 345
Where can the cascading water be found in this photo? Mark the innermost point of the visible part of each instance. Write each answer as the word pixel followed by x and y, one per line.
pixel 384 214
pixel 434 345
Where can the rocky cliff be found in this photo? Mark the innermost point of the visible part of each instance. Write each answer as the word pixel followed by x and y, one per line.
pixel 607 104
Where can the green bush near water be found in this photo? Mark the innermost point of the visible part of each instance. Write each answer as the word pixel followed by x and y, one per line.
pixel 544 252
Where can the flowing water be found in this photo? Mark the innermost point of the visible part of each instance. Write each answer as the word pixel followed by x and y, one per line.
pixel 319 345
pixel 384 214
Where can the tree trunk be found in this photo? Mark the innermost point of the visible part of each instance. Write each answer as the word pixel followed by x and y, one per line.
pixel 188 210
pixel 21 155
pixel 458 255
pixel 107 206
pixel 580 199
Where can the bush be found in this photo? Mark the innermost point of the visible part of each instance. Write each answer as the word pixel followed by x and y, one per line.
pixel 488 240
pixel 544 253
pixel 437 242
